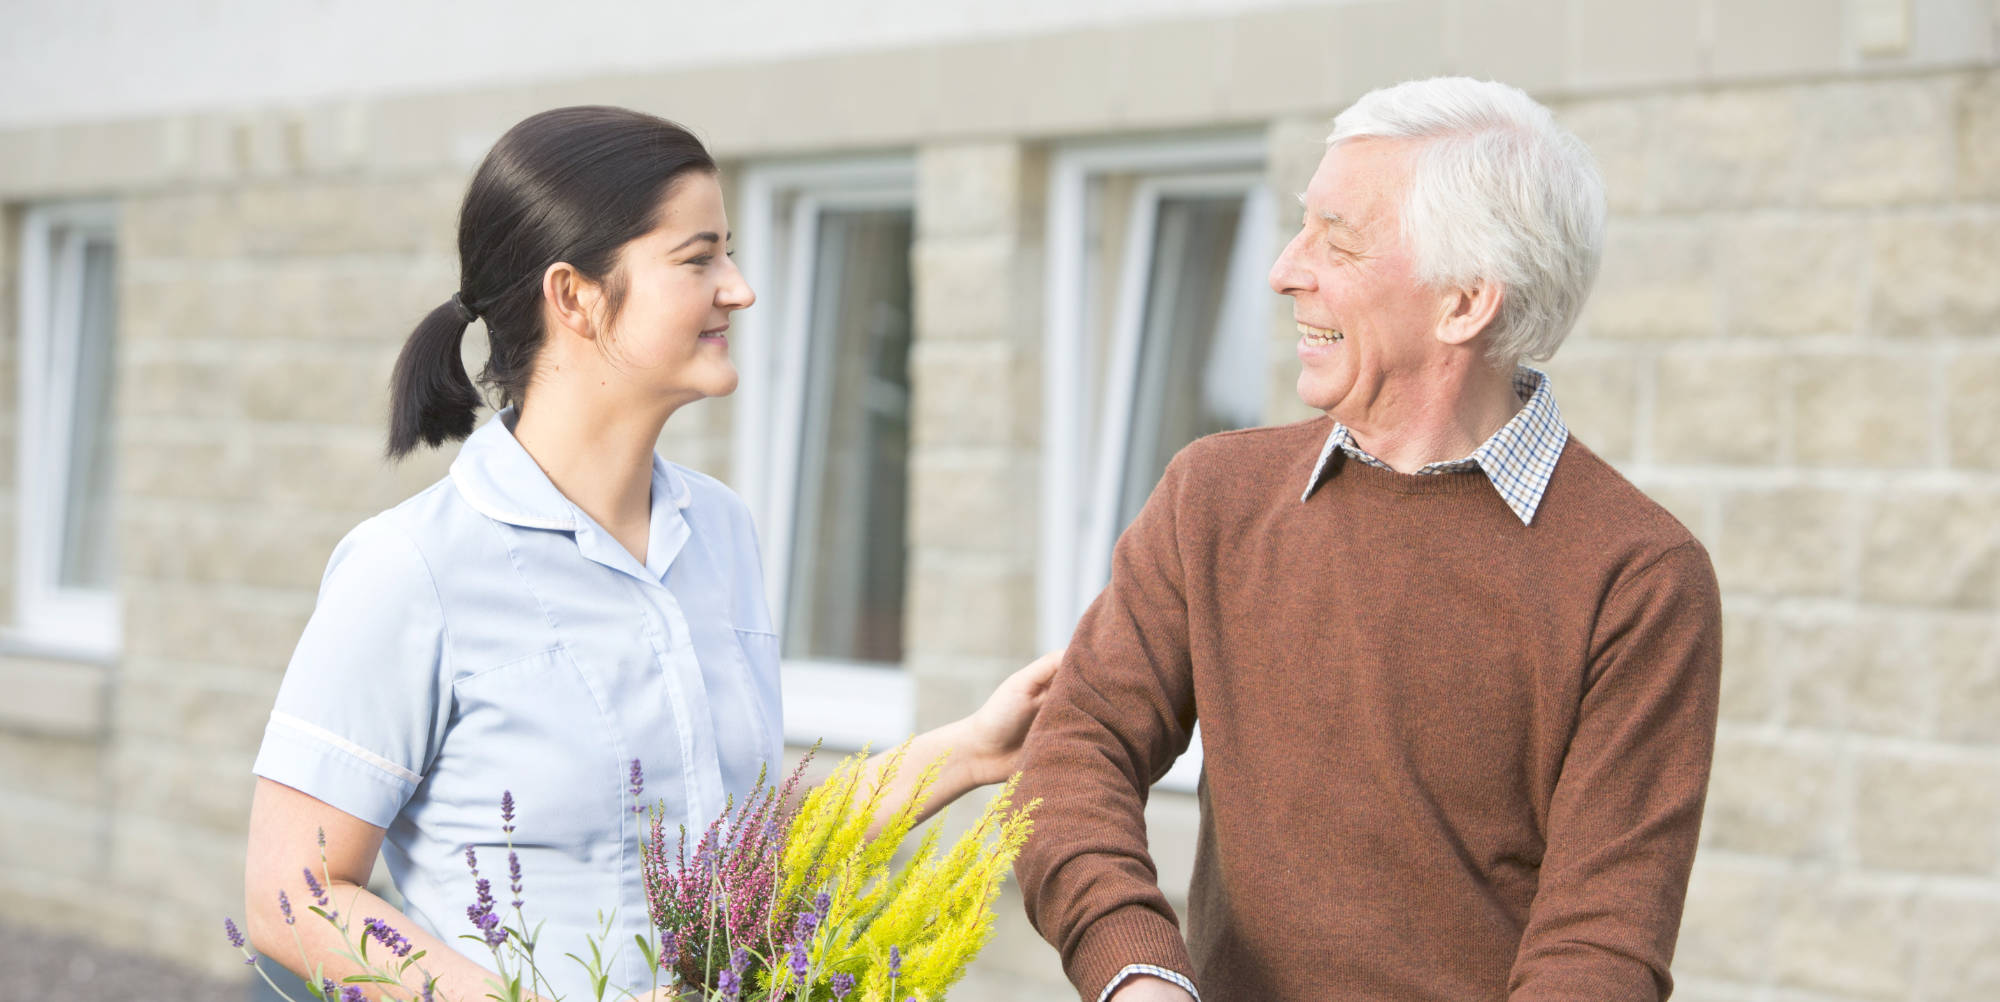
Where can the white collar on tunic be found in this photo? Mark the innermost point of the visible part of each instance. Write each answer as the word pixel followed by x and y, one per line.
pixel 498 478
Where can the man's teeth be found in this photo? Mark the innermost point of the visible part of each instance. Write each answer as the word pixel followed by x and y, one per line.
pixel 1320 335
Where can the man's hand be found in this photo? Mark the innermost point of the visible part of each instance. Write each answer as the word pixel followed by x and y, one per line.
pixel 1146 988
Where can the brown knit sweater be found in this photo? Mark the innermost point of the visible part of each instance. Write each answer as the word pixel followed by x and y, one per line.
pixel 1447 755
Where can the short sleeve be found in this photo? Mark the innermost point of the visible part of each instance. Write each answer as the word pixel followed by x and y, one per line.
pixel 362 707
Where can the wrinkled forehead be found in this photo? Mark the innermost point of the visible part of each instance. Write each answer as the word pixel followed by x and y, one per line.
pixel 1360 183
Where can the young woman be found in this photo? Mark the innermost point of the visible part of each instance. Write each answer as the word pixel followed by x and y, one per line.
pixel 565 602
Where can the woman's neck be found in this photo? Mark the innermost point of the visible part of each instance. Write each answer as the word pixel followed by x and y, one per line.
pixel 598 452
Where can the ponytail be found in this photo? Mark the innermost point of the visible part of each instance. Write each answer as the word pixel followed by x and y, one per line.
pixel 431 399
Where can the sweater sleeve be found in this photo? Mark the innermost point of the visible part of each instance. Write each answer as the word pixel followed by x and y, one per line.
pixel 1627 806
pixel 1120 711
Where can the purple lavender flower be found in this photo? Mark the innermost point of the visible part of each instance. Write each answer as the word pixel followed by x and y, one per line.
pixel 387 936
pixel 235 935
pixel 730 984
pixel 471 861
pixel 797 960
pixel 285 906
pixel 670 948
pixel 842 984
pixel 328 990
pixel 638 787
pixel 313 888
pixel 804 926
pixel 507 811
pixel 430 990
pixel 322 838
pixel 514 875
pixel 352 993
pixel 481 911
pixel 895 963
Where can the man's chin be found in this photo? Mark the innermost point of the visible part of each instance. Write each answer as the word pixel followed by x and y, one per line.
pixel 1314 393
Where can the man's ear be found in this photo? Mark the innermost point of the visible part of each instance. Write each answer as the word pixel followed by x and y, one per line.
pixel 1471 311
pixel 570 299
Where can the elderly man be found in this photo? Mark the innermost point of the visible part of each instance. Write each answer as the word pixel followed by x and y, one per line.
pixel 1456 677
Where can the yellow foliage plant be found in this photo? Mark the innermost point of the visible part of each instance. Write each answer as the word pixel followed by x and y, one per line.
pixel 907 932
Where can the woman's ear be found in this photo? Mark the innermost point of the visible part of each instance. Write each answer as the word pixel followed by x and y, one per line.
pixel 571 299
pixel 1471 312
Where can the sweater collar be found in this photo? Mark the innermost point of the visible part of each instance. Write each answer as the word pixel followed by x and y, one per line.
pixel 1518 460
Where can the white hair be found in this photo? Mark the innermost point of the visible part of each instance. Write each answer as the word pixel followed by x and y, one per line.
pixel 1498 193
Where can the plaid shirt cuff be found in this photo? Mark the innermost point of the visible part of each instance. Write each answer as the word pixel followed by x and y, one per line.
pixel 1158 972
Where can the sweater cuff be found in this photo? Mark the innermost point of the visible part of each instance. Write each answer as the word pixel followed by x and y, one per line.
pixel 1131 935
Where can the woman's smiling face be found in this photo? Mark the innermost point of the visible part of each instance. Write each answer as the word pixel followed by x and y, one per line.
pixel 670 333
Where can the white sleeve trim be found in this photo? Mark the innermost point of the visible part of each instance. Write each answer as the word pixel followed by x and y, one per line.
pixel 315 731
pixel 1133 970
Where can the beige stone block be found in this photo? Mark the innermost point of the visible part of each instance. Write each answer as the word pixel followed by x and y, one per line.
pixel 973 500
pixel 969 189
pixel 51 698
pixel 1379 44
pixel 1657 282
pixel 215 626
pixel 1076 86
pixel 1854 672
pixel 975 606
pixel 48 767
pixel 944 697
pixel 972 393
pixel 1934 274
pixel 204 466
pixel 1173 73
pixel 1620 43
pixel 1281 61
pixel 1729 149
pixel 319 386
pixel 1688 505
pixel 1929 816
pixel 278 548
pixel 1727 925
pixel 965 288
pixel 1933 548
pixel 1792 541
pixel 1713 408
pixel 1961 952
pixel 1777 38
pixel 51 836
pixel 1619 132
pixel 1772 799
pixel 1881 142
pixel 1790 277
pixel 1979 135
pixel 1972 411
pixel 190 788
pixel 201 711
pixel 1598 394
pixel 1520 42
pixel 1966 657
pixel 969 83
pixel 1751 685
pixel 189 387
pixel 1847 942
pixel 1952 33
pixel 1863 410
pixel 205 880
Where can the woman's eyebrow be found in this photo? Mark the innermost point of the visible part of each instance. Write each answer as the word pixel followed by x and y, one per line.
pixel 698 238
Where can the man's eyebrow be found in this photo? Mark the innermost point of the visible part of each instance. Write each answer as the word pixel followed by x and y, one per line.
pixel 1332 217
pixel 707 235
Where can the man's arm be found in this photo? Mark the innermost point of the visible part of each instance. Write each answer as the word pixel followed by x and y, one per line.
pixel 1119 713
pixel 1627 807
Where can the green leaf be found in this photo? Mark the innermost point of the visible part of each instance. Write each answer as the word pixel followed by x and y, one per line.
pixel 646 951
pixel 368 979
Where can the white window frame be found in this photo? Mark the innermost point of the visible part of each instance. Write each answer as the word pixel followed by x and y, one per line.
pixel 844 704
pixel 1079 488
pixel 75 622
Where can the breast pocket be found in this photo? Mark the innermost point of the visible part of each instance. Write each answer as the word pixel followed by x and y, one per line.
pixel 762 703
pixel 534 727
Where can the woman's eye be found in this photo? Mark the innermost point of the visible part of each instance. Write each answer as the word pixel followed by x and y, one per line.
pixel 703 260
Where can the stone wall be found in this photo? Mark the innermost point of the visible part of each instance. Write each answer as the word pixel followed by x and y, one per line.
pixel 1794 345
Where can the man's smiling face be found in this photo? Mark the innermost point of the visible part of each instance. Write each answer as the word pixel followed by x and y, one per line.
pixel 1366 324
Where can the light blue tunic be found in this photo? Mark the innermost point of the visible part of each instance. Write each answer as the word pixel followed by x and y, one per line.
pixel 487 635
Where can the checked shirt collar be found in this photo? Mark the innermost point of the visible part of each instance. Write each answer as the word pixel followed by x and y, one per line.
pixel 1518 459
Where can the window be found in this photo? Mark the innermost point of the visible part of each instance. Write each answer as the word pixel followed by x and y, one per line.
pixel 1158 333
pixel 67 557
pixel 822 434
